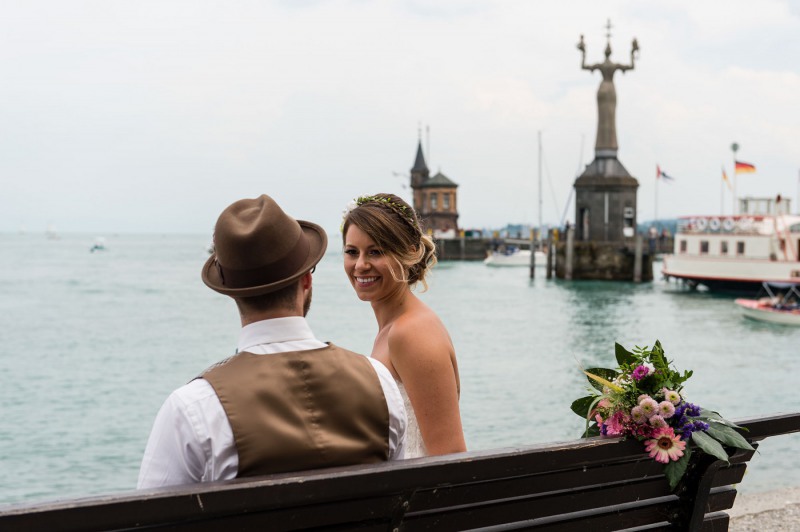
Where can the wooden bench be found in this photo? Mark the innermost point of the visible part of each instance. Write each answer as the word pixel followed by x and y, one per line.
pixel 593 484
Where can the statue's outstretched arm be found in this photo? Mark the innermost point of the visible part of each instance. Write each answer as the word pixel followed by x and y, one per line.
pixel 584 66
pixel 634 51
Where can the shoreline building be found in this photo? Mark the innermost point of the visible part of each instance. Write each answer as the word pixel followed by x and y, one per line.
pixel 435 199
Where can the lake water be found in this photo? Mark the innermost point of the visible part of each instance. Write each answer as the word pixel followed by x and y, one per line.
pixel 92 343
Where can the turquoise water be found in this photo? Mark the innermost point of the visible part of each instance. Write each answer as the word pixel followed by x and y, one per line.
pixel 92 343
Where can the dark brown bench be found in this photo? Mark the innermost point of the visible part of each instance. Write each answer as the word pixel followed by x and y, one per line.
pixel 593 484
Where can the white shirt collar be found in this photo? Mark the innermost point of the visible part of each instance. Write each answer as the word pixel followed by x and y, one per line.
pixel 277 330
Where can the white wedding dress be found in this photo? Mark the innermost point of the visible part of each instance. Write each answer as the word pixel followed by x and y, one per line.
pixel 415 447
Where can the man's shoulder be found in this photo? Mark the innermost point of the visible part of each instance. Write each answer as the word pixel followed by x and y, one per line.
pixel 331 347
pixel 194 391
pixel 383 372
pixel 216 365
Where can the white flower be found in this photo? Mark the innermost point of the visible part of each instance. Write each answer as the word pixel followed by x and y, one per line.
pixel 650 368
pixel 349 207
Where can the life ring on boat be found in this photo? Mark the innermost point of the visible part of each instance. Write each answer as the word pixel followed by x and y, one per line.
pixel 701 224
pixel 714 224
pixel 728 224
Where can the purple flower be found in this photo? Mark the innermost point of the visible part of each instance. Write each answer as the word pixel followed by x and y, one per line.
pixel 693 410
pixel 640 373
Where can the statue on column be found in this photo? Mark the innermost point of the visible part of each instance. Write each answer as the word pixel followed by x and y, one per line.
pixel 606 94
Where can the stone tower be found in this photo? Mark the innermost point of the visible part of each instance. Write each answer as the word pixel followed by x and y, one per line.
pixel 435 199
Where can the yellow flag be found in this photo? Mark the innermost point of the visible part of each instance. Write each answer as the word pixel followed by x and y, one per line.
pixel 725 178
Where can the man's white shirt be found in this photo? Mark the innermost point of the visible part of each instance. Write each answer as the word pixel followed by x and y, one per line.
pixel 192 440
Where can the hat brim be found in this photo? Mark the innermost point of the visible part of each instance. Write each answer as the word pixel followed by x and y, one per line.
pixel 317 245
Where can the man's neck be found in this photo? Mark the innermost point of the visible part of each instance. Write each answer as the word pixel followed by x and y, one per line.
pixel 253 317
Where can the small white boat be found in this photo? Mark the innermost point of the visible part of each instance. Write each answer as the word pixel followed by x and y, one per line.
pixel 783 308
pixel 514 257
pixel 98 245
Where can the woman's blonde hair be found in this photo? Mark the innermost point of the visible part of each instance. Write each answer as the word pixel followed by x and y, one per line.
pixel 394 227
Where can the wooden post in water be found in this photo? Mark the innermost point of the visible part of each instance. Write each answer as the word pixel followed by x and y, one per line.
pixel 533 256
pixel 637 261
pixel 570 253
pixel 463 245
pixel 550 251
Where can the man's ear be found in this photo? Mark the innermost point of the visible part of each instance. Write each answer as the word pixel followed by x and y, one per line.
pixel 306 281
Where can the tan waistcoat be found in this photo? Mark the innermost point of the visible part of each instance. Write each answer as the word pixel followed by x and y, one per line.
pixel 302 410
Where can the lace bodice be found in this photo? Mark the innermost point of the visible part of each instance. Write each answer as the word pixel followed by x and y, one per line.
pixel 414 446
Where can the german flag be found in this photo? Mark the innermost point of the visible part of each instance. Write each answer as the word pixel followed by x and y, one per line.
pixel 744 168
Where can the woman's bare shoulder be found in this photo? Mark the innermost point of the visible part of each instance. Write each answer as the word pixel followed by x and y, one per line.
pixel 419 331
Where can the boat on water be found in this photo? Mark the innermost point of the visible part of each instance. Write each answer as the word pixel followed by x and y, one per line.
pixel 99 244
pixel 738 253
pixel 783 307
pixel 514 256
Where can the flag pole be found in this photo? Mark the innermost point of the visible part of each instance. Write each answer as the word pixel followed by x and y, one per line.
pixel 656 198
pixel 722 194
pixel 735 148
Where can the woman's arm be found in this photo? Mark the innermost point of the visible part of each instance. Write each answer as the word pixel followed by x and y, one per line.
pixel 422 354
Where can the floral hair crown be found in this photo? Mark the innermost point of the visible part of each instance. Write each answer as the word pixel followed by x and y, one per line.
pixel 403 210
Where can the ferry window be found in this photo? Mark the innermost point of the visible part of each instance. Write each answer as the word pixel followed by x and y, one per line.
pixel 703 246
pixel 683 246
pixel 795 228
pixel 795 273
pixel 434 201
pixel 446 201
pixel 723 247
pixel 740 248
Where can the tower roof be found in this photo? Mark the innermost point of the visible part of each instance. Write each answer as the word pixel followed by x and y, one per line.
pixel 419 163
pixel 440 180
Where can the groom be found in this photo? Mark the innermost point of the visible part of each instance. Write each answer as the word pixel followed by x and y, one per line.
pixel 285 401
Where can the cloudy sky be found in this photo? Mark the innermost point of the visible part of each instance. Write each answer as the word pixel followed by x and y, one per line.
pixel 152 116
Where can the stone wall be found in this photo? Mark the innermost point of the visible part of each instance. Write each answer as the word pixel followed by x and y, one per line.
pixel 606 261
pixel 461 248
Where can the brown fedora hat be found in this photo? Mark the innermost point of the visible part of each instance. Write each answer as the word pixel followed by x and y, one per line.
pixel 260 249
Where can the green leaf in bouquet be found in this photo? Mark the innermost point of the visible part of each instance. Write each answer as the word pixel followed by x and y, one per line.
pixel 674 471
pixel 596 399
pixel 623 355
pixel 583 405
pixel 727 436
pixel 590 431
pixel 709 445
pixel 710 415
pixel 603 373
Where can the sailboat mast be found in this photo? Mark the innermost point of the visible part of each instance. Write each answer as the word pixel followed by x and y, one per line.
pixel 539 237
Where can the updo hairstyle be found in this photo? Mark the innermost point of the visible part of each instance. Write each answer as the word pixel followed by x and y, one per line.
pixel 394 227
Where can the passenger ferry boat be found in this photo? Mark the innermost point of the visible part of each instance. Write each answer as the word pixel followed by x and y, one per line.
pixel 738 253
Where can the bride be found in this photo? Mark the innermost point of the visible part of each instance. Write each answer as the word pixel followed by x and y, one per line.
pixel 385 255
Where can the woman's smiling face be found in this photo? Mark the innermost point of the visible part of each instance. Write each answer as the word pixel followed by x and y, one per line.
pixel 367 267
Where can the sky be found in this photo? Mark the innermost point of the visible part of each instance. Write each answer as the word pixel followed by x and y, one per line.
pixel 152 116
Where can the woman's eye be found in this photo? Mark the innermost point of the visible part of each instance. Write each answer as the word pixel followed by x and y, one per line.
pixel 350 252
pixel 376 252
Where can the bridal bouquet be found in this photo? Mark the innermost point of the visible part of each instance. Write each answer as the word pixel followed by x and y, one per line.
pixel 643 398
